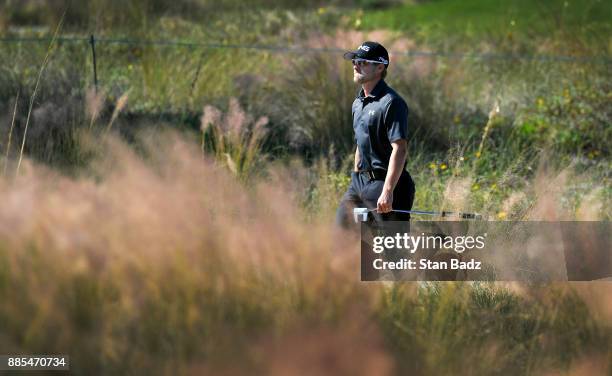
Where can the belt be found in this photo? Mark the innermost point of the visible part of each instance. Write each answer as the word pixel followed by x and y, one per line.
pixel 376 174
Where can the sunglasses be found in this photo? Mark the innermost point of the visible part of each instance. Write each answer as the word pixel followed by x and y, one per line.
pixel 364 62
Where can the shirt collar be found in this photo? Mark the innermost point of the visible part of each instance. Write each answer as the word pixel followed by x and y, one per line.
pixel 378 90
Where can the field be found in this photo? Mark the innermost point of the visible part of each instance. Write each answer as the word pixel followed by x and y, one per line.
pixel 179 215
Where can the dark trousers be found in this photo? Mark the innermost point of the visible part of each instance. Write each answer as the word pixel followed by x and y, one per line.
pixel 364 192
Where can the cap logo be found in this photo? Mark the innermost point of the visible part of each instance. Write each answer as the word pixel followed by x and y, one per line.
pixel 364 47
pixel 383 60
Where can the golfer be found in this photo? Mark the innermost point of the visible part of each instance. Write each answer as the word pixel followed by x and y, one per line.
pixel 380 121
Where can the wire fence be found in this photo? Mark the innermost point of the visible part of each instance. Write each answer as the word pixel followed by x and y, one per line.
pixel 290 49
pixel 92 41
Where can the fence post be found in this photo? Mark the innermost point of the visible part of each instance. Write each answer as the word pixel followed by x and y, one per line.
pixel 92 42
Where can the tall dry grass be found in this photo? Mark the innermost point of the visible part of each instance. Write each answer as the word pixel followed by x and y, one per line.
pixel 162 262
pixel 10 134
pixel 165 256
pixel 235 138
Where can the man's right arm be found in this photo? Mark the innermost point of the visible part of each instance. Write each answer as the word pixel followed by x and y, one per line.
pixel 357 159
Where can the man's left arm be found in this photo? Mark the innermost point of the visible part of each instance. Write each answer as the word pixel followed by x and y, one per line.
pixel 396 165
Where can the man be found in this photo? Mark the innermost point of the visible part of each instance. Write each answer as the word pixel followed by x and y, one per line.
pixel 380 120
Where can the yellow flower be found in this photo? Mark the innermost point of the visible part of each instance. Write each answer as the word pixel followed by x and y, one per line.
pixel 443 166
pixel 566 93
pixel 475 187
pixel 540 103
pixel 478 154
pixel 493 186
pixel 502 215
pixel 433 166
pixel 456 119
pixel 130 67
pixel 358 22
pixel 462 159
pixel 321 10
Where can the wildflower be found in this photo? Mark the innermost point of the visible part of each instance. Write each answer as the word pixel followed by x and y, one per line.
pixel 456 119
pixel 230 163
pixel 211 116
pixel 494 186
pixel 443 166
pixel 358 22
pixel 512 23
pixel 433 166
pixel 478 154
pixel 130 67
pixel 475 187
pixel 94 103
pixel 540 103
pixel 321 10
pixel 119 106
pixel 461 158
pixel 495 111
pixel 502 215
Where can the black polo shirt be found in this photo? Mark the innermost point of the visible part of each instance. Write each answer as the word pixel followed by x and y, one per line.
pixel 378 119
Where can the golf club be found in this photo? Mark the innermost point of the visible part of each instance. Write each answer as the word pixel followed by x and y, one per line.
pixel 361 214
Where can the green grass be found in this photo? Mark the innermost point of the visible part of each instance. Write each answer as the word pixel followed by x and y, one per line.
pixel 482 329
pixel 457 21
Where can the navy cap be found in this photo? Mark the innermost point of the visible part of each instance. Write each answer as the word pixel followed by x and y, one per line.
pixel 370 51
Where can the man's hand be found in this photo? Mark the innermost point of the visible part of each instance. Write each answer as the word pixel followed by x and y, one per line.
pixel 385 202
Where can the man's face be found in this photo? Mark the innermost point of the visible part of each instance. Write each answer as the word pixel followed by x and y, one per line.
pixel 364 71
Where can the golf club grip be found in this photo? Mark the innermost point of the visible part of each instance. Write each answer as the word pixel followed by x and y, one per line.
pixel 461 215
